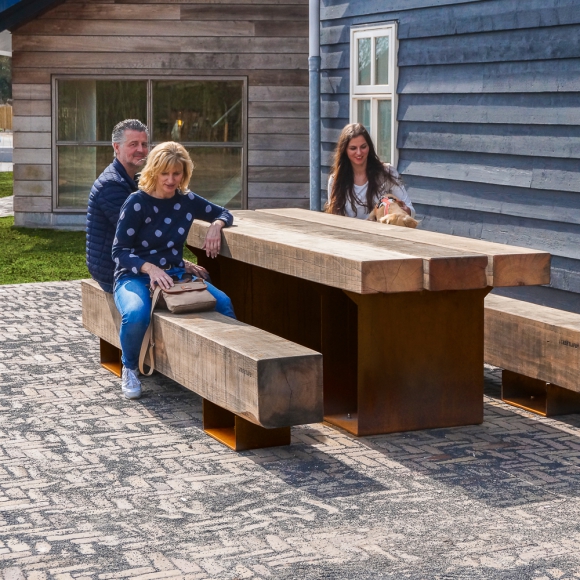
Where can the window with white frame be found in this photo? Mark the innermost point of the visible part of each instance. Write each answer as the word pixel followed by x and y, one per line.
pixel 373 85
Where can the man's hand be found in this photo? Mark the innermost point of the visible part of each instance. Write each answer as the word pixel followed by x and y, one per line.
pixel 157 276
pixel 213 239
pixel 196 270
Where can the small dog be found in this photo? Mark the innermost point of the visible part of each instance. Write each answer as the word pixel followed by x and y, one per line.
pixel 388 211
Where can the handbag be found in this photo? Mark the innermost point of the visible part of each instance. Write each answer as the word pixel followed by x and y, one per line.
pixel 183 297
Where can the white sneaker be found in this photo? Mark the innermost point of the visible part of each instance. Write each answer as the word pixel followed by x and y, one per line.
pixel 130 384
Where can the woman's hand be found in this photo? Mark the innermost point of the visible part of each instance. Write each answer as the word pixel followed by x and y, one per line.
pixel 196 270
pixel 213 239
pixel 157 275
pixel 403 206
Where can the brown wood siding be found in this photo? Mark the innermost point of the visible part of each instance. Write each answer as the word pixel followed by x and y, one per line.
pixel 265 41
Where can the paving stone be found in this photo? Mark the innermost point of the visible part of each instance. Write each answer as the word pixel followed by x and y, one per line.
pixel 93 486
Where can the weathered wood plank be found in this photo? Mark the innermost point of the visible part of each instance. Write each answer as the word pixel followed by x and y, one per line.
pixel 535 341
pixel 32 188
pixel 443 268
pixel 552 206
pixel 336 263
pixel 264 109
pixel 24 92
pixel 240 12
pixel 272 202
pixel 545 140
pixel 464 18
pixel 291 174
pixel 145 61
pixel 105 27
pixel 32 172
pixel 558 42
pixel 542 173
pixel 269 125
pixel 212 44
pixel 525 108
pixel 269 381
pixel 283 158
pixel 32 156
pixel 279 190
pixel 507 265
pixel 540 76
pixel 29 140
pixel 280 142
pixel 31 124
pixel 33 204
pixel 95 10
pixel 560 239
pixel 271 94
pixel 32 108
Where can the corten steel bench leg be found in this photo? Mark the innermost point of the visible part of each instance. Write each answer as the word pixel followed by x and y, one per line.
pixel 111 357
pixel 419 364
pixel 538 396
pixel 239 434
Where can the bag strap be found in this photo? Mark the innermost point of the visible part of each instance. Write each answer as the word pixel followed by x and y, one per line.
pixel 148 340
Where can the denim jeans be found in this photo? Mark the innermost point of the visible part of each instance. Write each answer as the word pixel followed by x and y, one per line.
pixel 134 304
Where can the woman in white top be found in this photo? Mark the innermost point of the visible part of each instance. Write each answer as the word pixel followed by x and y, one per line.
pixel 359 179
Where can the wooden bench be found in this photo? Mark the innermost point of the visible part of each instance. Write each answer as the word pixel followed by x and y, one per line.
pixel 254 385
pixel 538 349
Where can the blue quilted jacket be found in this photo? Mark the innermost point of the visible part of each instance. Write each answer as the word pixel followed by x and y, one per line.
pixel 108 194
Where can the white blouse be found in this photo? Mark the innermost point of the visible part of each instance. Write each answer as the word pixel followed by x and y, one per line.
pixel 360 192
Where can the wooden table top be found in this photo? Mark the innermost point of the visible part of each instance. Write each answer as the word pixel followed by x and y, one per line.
pixel 369 257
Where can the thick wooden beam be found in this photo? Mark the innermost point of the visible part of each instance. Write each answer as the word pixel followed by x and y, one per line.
pixel 507 265
pixel 443 268
pixel 265 379
pixel 338 263
pixel 535 341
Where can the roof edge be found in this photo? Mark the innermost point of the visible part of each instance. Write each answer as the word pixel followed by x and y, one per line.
pixel 24 11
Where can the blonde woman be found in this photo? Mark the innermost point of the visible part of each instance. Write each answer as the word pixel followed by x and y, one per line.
pixel 148 247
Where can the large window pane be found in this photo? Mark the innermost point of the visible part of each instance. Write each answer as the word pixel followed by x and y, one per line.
pixel 363 115
pixel 382 60
pixel 78 167
pixel 384 145
pixel 119 100
pixel 197 111
pixel 77 111
pixel 88 110
pixel 364 61
pixel 218 175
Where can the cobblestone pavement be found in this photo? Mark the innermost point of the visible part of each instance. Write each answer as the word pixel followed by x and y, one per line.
pixel 93 486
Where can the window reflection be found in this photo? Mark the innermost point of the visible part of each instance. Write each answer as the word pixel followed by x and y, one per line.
pixel 197 111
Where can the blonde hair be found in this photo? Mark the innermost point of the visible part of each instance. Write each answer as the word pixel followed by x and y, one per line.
pixel 162 158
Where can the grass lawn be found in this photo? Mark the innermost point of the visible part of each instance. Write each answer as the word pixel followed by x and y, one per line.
pixel 6 183
pixel 38 255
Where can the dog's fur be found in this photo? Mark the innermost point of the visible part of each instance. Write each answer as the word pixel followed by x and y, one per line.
pixel 388 211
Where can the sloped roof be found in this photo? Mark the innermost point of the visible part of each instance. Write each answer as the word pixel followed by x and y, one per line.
pixel 23 11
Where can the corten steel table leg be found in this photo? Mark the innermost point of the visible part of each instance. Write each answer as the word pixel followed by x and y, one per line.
pixel 111 357
pixel 420 361
pixel 238 433
pixel 538 396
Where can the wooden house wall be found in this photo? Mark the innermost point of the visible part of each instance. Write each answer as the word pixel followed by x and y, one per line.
pixel 488 116
pixel 267 41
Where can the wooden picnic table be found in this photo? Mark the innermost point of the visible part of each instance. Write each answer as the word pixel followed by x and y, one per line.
pixel 397 313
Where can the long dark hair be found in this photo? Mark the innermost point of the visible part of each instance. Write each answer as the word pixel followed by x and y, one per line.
pixel 343 185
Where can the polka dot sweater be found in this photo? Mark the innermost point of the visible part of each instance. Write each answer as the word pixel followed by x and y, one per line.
pixel 154 230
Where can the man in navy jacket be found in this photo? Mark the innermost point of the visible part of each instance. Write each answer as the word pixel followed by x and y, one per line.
pixel 131 144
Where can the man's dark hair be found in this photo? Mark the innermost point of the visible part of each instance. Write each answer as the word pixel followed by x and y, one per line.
pixel 127 124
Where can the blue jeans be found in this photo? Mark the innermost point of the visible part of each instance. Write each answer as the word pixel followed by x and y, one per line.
pixel 134 304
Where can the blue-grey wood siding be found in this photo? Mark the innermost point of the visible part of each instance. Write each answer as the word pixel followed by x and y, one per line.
pixel 489 115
